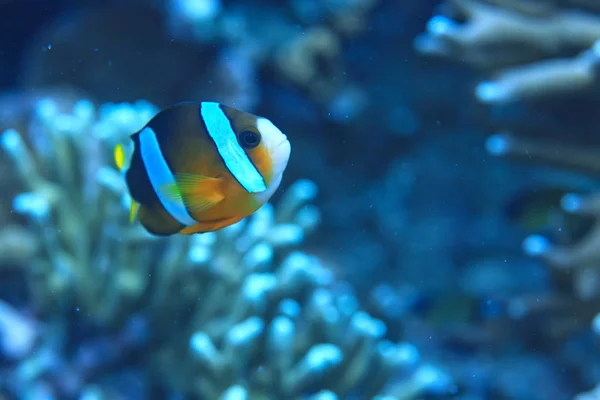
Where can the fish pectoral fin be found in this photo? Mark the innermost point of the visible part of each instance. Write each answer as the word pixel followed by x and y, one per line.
pixel 119 155
pixel 197 192
pixel 172 192
pixel 210 226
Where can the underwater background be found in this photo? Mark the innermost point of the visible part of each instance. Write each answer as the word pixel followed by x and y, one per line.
pixel 435 236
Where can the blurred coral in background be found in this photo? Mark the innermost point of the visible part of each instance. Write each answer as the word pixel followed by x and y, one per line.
pixel 404 256
pixel 541 59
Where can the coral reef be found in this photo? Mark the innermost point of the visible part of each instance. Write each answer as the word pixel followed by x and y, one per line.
pixel 519 43
pixel 539 56
pixel 430 265
pixel 112 312
pixel 303 46
pixel 524 45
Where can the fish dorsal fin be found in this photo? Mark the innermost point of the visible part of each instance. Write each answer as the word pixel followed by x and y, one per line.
pixel 119 155
pixel 197 192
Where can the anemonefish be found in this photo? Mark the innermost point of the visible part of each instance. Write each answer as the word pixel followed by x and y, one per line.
pixel 199 167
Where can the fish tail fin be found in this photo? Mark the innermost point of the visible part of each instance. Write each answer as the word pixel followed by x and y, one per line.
pixel 119 156
pixel 133 211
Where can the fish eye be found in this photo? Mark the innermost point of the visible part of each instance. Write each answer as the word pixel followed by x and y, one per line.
pixel 249 139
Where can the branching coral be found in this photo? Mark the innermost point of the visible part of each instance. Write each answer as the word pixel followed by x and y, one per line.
pixel 577 259
pixel 586 252
pixel 239 313
pixel 523 46
pixel 310 60
pixel 73 199
pixel 538 50
pixel 518 41
pixel 302 44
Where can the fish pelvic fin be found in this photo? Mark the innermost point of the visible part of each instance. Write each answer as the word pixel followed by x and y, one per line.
pixel 210 226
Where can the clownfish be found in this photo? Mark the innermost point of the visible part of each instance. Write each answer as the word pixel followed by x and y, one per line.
pixel 199 167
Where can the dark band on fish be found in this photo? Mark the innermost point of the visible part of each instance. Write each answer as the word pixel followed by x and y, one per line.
pixel 162 125
pixel 161 176
pixel 142 192
pixel 157 169
pixel 137 178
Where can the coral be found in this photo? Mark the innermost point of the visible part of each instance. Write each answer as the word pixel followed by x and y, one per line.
pixel 182 35
pixel 16 112
pixel 346 17
pixel 80 50
pixel 574 258
pixel 73 199
pixel 528 49
pixel 585 253
pixel 311 60
pixel 239 313
pixel 520 43
pixel 593 394
pixel 539 55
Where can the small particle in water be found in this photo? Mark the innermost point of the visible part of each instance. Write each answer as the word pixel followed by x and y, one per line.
pixel 49 46
pixel 77 309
